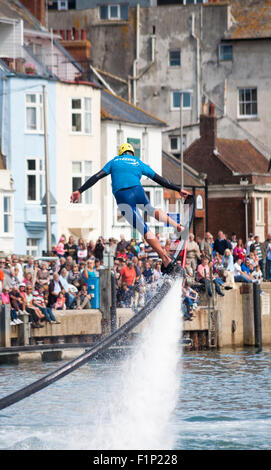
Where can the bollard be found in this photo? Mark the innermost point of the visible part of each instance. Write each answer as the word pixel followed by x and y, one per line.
pixel 257 316
pixel 5 326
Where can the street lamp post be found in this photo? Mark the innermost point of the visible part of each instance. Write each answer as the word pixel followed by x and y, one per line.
pixel 181 137
pixel 47 181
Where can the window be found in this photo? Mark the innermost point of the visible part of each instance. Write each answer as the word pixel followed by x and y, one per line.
pixel 81 172
pixel 34 112
pixel 225 52
pixel 248 102
pixel 81 115
pixel 7 217
pixel 175 58
pixel 175 143
pixel 199 202
pixel 114 12
pixel 62 5
pixel 136 144
pixel 34 179
pixel 175 104
pixel 32 246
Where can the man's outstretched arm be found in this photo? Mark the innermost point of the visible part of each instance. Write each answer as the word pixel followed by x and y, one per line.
pixel 90 182
pixel 167 184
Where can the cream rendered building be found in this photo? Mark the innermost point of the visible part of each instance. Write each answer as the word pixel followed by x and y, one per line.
pixel 78 157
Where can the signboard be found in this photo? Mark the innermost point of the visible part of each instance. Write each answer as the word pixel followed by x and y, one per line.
pixel 265 303
pixel 175 216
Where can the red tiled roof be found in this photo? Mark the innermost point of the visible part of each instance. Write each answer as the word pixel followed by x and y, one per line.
pixel 233 157
pixel 241 157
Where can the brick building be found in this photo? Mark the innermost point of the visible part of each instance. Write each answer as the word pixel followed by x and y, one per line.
pixel 238 181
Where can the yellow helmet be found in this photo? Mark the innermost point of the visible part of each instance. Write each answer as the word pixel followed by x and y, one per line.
pixel 125 148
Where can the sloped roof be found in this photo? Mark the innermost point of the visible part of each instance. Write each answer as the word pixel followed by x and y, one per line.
pixel 171 169
pixel 225 164
pixel 13 9
pixel 115 108
pixel 252 19
pixel 241 157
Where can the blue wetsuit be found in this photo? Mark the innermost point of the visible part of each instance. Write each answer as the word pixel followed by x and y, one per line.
pixel 126 171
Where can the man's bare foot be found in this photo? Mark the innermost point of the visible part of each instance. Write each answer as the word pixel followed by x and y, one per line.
pixel 166 260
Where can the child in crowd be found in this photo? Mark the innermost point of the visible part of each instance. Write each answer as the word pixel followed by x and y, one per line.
pixel 60 302
pixel 127 296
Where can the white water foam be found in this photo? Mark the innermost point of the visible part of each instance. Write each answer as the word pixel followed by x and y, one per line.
pixel 139 418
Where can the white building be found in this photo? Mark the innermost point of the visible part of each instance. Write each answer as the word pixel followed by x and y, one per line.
pixel 6 210
pixel 78 157
pixel 124 122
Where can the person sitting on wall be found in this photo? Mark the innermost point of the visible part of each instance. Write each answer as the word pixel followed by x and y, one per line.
pixel 83 299
pixel 239 275
pixel 204 276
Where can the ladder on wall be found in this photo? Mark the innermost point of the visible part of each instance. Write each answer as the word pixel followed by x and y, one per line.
pixel 212 331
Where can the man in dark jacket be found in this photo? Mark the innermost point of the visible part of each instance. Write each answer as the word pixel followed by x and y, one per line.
pixel 221 243
pixel 55 287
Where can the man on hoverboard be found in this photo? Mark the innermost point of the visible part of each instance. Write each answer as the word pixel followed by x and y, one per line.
pixel 126 171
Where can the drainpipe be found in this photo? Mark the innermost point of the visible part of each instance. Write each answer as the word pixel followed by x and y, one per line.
pixel 246 201
pixel 3 116
pixel 137 52
pixel 193 34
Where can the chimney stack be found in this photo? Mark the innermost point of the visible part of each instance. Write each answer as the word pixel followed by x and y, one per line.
pixel 208 126
pixel 36 8
pixel 77 45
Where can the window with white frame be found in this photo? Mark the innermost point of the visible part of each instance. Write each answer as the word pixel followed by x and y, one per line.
pixel 176 99
pixel 259 210
pixel 248 106
pixel 175 143
pixel 34 112
pixel 81 172
pixel 32 246
pixel 62 5
pixel 81 115
pixel 175 57
pixel 114 12
pixel 7 215
pixel 35 186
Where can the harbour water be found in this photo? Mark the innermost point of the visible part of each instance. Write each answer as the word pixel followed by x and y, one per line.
pixel 154 397
pixel 223 403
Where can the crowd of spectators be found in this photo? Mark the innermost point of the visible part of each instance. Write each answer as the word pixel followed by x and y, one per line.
pixel 37 288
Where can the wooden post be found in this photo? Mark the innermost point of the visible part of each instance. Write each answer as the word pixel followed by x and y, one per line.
pixel 106 299
pixel 24 331
pixel 257 316
pixel 5 326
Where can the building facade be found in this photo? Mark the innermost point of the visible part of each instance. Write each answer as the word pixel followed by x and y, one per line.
pixel 78 133
pixel 238 181
pixel 186 53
